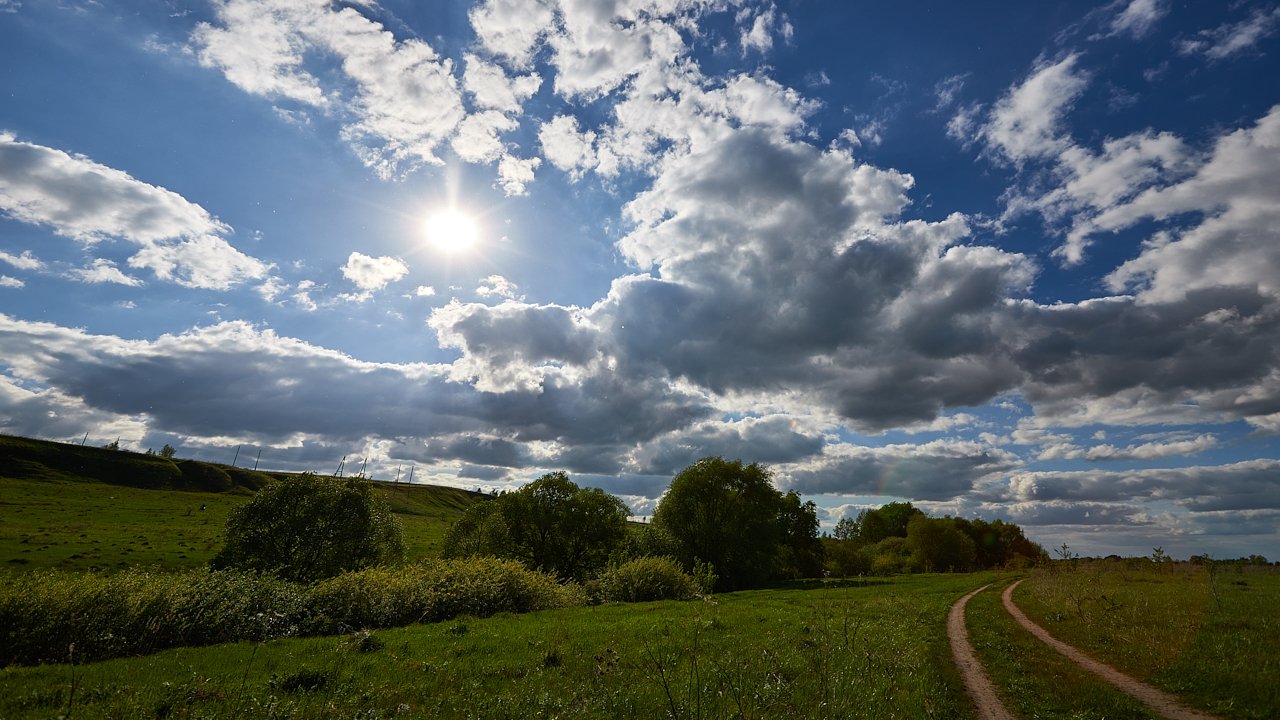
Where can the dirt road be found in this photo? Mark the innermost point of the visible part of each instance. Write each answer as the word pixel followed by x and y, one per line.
pixel 976 682
pixel 1158 700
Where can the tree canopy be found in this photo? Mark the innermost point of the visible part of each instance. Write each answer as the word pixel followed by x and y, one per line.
pixel 550 524
pixel 306 528
pixel 729 514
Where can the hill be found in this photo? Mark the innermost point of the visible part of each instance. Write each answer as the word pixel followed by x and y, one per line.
pixel 77 507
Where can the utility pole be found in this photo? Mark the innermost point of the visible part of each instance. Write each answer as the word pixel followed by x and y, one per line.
pixel 339 471
pixel 84 439
pixel 364 465
pixel 411 468
pixel 237 457
pixel 255 460
pixel 397 480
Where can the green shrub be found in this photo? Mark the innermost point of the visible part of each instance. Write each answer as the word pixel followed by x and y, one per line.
pixel 306 528
pixel 197 475
pixel 56 616
pixel 433 591
pixel 645 579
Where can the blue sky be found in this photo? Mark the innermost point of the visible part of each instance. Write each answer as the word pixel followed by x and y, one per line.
pixel 1012 260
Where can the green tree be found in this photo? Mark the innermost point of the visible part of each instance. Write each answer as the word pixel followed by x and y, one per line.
pixel 730 515
pixel 167 451
pixel 550 524
pixel 937 544
pixel 307 528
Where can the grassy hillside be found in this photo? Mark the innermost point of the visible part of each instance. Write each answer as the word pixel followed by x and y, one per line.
pixel 76 508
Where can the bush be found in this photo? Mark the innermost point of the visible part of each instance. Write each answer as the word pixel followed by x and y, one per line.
pixel 197 475
pixel 56 616
pixel 433 591
pixel 644 579
pixel 308 528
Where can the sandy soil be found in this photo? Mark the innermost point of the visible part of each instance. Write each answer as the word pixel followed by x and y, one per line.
pixel 1158 700
pixel 976 682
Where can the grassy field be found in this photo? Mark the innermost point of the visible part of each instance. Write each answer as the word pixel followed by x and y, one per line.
pixel 81 508
pixel 875 651
pixel 1033 680
pixel 1212 638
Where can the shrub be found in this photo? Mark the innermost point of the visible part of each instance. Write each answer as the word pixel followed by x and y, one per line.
pixel 433 591
pixel 307 528
pixel 645 579
pixel 56 616
pixel 197 475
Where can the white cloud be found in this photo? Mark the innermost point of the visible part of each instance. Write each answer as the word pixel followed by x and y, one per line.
pixel 1233 38
pixel 564 146
pixel 1025 123
pixel 11 282
pixel 373 273
pixel 424 291
pixel 400 97
pixel 515 174
pixel 512 29
pixel 1237 190
pixel 85 201
pixel 25 261
pixel 497 286
pixel 103 271
pixel 1139 17
pixel 477 138
pixel 492 89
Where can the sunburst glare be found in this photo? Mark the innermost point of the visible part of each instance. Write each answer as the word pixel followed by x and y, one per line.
pixel 452 231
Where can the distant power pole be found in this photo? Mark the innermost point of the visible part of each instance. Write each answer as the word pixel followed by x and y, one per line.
pixel 411 469
pixel 339 471
pixel 84 439
pixel 255 460
pixel 397 480
pixel 237 457
pixel 364 465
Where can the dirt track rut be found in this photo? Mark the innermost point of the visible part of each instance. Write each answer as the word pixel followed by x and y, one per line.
pixel 976 682
pixel 1158 700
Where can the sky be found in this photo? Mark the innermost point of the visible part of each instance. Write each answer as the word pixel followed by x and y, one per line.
pixel 1005 260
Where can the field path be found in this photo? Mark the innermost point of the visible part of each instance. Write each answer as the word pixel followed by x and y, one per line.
pixel 976 682
pixel 1158 700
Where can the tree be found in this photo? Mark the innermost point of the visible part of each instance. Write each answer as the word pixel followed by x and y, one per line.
pixel 307 528
pixel 937 544
pixel 550 524
pixel 730 515
pixel 167 451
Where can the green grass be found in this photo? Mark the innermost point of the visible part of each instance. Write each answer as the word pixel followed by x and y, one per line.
pixel 1033 680
pixel 1214 641
pixel 74 508
pixel 877 651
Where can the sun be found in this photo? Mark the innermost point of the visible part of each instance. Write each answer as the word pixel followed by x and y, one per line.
pixel 452 231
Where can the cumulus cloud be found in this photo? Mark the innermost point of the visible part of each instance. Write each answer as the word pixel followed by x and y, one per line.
pixel 258 386
pixel 11 282
pixel 373 273
pixel 1026 122
pixel 399 98
pixel 103 271
pixel 938 470
pixel 24 261
pixel 83 200
pixel 1244 485
pixel 497 286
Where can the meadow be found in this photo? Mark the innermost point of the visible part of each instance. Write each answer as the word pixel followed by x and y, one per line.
pixel 116 568
pixel 69 512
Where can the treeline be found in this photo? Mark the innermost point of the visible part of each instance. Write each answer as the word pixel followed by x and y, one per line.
pixel 722 520
pixel 901 538
pixel 727 526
